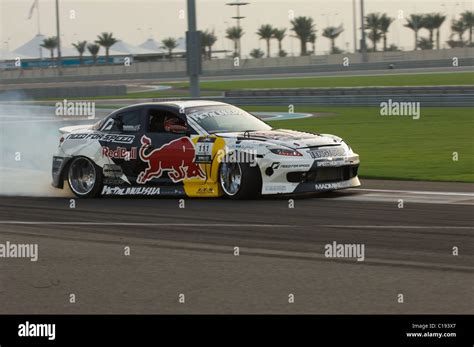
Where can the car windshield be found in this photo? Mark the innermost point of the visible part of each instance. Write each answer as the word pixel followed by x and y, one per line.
pixel 224 118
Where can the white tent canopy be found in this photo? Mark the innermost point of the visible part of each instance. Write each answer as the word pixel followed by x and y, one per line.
pixel 32 48
pixel 122 47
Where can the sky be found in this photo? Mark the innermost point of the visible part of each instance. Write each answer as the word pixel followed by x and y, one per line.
pixel 134 21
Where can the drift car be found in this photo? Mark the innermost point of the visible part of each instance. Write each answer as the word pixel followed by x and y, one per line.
pixel 198 149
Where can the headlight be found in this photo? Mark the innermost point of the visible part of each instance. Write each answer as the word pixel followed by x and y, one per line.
pixel 346 147
pixel 286 151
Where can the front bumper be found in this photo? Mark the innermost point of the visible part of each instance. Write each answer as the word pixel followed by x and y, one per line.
pixel 306 176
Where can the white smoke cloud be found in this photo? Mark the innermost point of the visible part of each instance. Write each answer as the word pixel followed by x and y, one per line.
pixel 29 137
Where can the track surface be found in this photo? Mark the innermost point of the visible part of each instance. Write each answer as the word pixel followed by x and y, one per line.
pixel 191 251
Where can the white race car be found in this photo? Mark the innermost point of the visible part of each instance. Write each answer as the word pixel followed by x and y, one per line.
pixel 198 149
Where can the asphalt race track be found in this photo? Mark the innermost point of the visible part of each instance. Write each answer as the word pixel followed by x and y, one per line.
pixel 190 251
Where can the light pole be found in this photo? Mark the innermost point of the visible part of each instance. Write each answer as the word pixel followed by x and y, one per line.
pixel 193 53
pixel 238 17
pixel 58 35
pixel 363 47
pixel 354 24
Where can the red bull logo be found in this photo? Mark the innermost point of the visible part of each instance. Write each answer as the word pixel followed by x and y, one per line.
pixel 175 157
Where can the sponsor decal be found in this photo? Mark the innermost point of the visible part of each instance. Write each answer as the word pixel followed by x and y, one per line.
pixel 175 157
pixel 205 190
pixel 330 186
pixel 127 127
pixel 111 170
pixel 115 138
pixel 335 162
pixel 276 188
pixel 120 153
pixel 327 152
pixel 295 166
pixel 107 190
pixel 204 148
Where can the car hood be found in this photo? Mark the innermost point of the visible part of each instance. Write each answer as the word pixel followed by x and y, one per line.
pixel 75 128
pixel 288 138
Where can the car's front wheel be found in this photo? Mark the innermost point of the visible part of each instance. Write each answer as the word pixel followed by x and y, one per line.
pixel 240 181
pixel 84 177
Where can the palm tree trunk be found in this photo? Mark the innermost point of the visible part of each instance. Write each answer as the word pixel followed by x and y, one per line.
pixel 303 47
pixel 431 36
pixel 385 41
pixel 437 39
pixel 235 48
pixel 268 48
pixel 279 47
pixel 210 52
pixel 80 59
pixel 314 48
pixel 374 41
pixel 333 45
pixel 416 40
pixel 470 35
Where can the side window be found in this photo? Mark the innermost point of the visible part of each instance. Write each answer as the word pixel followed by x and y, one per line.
pixel 130 121
pixel 161 121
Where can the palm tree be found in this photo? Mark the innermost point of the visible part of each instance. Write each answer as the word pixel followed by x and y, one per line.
pixel 81 48
pixel 332 33
pixel 50 43
pixel 438 19
pixel 372 23
pixel 94 51
pixel 257 53
pixel 415 23
pixel 266 33
pixel 169 44
pixel 303 28
pixel 312 40
pixel 459 27
pixel 106 40
pixel 279 35
pixel 468 18
pixel 425 43
pixel 235 34
pixel 208 39
pixel 385 22
pixel 430 23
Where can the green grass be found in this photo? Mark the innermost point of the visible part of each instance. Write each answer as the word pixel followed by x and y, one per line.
pixel 398 147
pixel 463 78
pixel 217 87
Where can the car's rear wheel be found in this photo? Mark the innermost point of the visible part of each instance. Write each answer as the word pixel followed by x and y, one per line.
pixel 239 180
pixel 84 177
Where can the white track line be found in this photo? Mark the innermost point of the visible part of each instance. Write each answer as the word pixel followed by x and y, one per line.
pixel 14 222
pixel 396 226
pixel 413 192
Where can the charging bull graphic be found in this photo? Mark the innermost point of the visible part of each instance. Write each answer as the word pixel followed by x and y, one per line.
pixel 175 157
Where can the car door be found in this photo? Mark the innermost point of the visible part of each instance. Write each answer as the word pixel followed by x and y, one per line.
pixel 166 156
pixel 121 145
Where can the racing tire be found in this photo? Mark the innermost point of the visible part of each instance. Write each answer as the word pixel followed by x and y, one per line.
pixel 84 177
pixel 240 181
